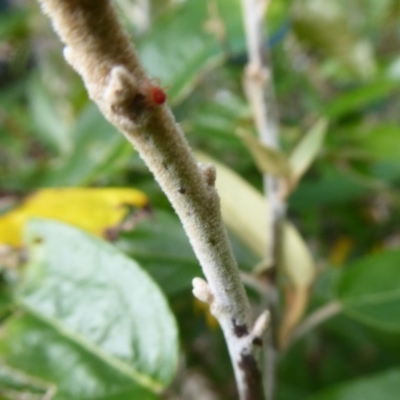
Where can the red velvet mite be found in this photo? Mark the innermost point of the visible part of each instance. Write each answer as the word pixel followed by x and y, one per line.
pixel 158 95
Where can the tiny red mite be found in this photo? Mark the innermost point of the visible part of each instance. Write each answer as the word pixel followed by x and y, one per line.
pixel 158 95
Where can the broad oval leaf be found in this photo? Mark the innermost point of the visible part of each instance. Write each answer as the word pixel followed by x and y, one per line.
pixel 66 369
pixel 101 302
pixel 370 290
pixel 381 386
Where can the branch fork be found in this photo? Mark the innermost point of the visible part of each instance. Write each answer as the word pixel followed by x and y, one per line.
pixel 244 342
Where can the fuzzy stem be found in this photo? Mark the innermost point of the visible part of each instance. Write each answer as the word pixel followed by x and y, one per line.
pixel 100 51
pixel 260 92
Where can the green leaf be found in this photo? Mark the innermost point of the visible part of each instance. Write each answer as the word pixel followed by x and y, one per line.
pixel 181 47
pixel 307 149
pixel 268 160
pixel 327 28
pixel 385 385
pixel 370 290
pixel 14 382
pixel 13 23
pixel 356 99
pixel 381 142
pixel 98 147
pixel 75 372
pixel 98 301
pixel 215 120
pixel 178 50
pixel 330 187
pixel 48 121
pixel 161 247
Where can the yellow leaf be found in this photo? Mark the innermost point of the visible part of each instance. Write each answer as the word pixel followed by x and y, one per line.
pixel 92 209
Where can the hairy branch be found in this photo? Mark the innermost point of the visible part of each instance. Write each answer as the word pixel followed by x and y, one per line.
pixel 260 93
pixel 100 51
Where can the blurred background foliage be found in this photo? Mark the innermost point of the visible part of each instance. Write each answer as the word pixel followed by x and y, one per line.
pixel 339 60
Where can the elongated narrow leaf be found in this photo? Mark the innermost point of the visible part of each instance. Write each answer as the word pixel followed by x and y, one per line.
pixel 268 160
pixel 86 296
pixel 356 99
pixel 385 385
pixel 245 212
pixel 307 150
pixel 370 290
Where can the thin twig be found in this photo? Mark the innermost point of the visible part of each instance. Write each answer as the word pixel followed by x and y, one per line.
pixel 260 92
pixel 319 316
pixel 101 52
